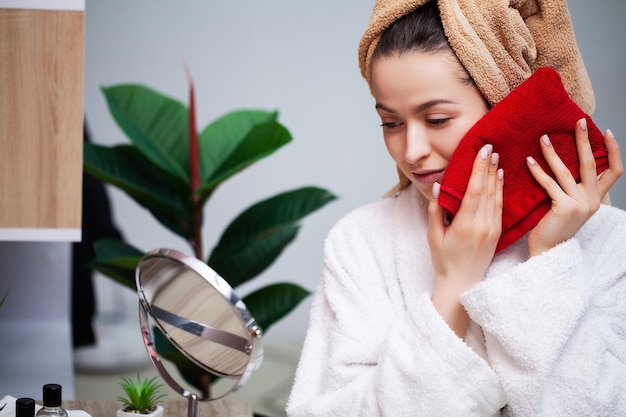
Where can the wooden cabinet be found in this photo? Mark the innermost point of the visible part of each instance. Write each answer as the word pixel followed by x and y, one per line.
pixel 41 119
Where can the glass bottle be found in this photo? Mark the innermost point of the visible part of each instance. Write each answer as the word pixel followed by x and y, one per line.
pixel 24 407
pixel 52 402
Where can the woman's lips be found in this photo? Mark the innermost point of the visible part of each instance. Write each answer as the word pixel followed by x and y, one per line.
pixel 428 177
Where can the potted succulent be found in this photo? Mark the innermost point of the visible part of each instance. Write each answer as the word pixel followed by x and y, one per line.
pixel 172 170
pixel 142 397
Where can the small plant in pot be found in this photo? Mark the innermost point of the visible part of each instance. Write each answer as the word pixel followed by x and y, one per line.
pixel 142 397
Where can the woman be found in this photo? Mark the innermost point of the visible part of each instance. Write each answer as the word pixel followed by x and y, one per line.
pixel 418 316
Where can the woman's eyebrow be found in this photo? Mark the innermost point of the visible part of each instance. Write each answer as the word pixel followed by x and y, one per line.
pixel 421 107
pixel 384 108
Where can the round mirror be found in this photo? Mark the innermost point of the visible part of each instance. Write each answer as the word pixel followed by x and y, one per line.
pixel 182 300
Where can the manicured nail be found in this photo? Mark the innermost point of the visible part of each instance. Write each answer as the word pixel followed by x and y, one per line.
pixel 583 124
pixel 436 190
pixel 494 158
pixel 485 151
pixel 610 134
pixel 546 140
pixel 531 160
pixel 500 174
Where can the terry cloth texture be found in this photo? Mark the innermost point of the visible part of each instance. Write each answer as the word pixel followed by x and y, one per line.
pixel 500 43
pixel 513 126
pixel 545 337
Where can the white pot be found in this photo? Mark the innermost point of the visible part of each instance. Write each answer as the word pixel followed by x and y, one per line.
pixel 156 413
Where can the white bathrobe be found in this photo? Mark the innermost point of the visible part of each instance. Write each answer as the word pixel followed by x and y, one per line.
pixel 547 336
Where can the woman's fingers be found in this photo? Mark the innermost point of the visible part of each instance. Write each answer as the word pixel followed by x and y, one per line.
pixel 572 203
pixel 546 181
pixel 616 168
pixel 563 176
pixel 564 182
pixel 436 226
pixel 592 188
pixel 477 186
pixel 482 203
pixel 586 159
pixel 494 189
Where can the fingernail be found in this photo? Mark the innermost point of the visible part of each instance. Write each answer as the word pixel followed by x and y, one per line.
pixel 494 158
pixel 583 124
pixel 484 152
pixel 531 160
pixel 500 174
pixel 609 133
pixel 436 189
pixel 546 140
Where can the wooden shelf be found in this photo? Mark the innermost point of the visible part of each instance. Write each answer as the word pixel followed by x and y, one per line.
pixel 219 408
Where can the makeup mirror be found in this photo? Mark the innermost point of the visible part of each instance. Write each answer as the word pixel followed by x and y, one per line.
pixel 198 312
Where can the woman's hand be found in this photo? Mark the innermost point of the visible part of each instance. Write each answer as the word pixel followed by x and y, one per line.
pixel 462 251
pixel 572 203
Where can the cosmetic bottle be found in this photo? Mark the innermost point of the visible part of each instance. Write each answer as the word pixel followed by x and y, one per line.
pixel 24 407
pixel 51 402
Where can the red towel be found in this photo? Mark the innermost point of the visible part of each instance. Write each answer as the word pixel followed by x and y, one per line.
pixel 513 126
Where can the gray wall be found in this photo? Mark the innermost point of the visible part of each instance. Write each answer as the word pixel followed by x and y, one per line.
pixel 299 58
pixel 35 330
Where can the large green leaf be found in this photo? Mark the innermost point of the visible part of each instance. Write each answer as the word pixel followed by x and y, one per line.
pixel 222 137
pixel 261 141
pixel 273 302
pixel 167 197
pixel 258 235
pixel 117 260
pixel 156 124
pixel 123 276
pixel 238 264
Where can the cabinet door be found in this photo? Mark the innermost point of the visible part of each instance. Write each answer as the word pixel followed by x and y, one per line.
pixel 41 122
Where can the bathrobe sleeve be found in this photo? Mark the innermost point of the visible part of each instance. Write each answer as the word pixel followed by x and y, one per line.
pixel 368 353
pixel 555 326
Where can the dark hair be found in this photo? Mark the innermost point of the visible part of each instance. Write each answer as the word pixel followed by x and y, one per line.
pixel 418 31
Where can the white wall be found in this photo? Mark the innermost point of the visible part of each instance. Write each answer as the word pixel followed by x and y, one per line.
pixel 300 58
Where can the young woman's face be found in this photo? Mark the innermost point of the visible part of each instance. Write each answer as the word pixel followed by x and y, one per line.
pixel 425 108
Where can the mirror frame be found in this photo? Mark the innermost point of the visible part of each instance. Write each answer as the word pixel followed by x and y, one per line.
pixel 148 317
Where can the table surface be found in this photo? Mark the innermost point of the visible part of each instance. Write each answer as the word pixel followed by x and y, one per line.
pixel 172 408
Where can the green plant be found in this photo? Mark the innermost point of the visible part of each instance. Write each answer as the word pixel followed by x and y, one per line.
pixel 142 396
pixel 172 170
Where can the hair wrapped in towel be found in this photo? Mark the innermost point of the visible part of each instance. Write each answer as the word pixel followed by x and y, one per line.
pixel 499 42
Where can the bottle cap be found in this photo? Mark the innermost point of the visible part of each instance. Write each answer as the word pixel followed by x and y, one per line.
pixel 24 407
pixel 52 395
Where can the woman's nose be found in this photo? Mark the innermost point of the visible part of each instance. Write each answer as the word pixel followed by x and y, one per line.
pixel 417 145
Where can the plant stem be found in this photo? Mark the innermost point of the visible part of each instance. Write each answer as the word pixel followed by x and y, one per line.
pixel 197 228
pixel 194 174
pixel 206 385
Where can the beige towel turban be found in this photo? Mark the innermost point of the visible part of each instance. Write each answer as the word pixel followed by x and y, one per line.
pixel 500 42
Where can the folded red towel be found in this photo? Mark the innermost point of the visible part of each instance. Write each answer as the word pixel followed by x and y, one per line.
pixel 513 126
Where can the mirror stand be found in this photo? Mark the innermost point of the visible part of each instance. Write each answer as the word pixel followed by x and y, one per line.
pixel 198 313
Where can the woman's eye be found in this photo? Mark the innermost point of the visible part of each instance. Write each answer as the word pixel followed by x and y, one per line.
pixel 437 121
pixel 390 125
